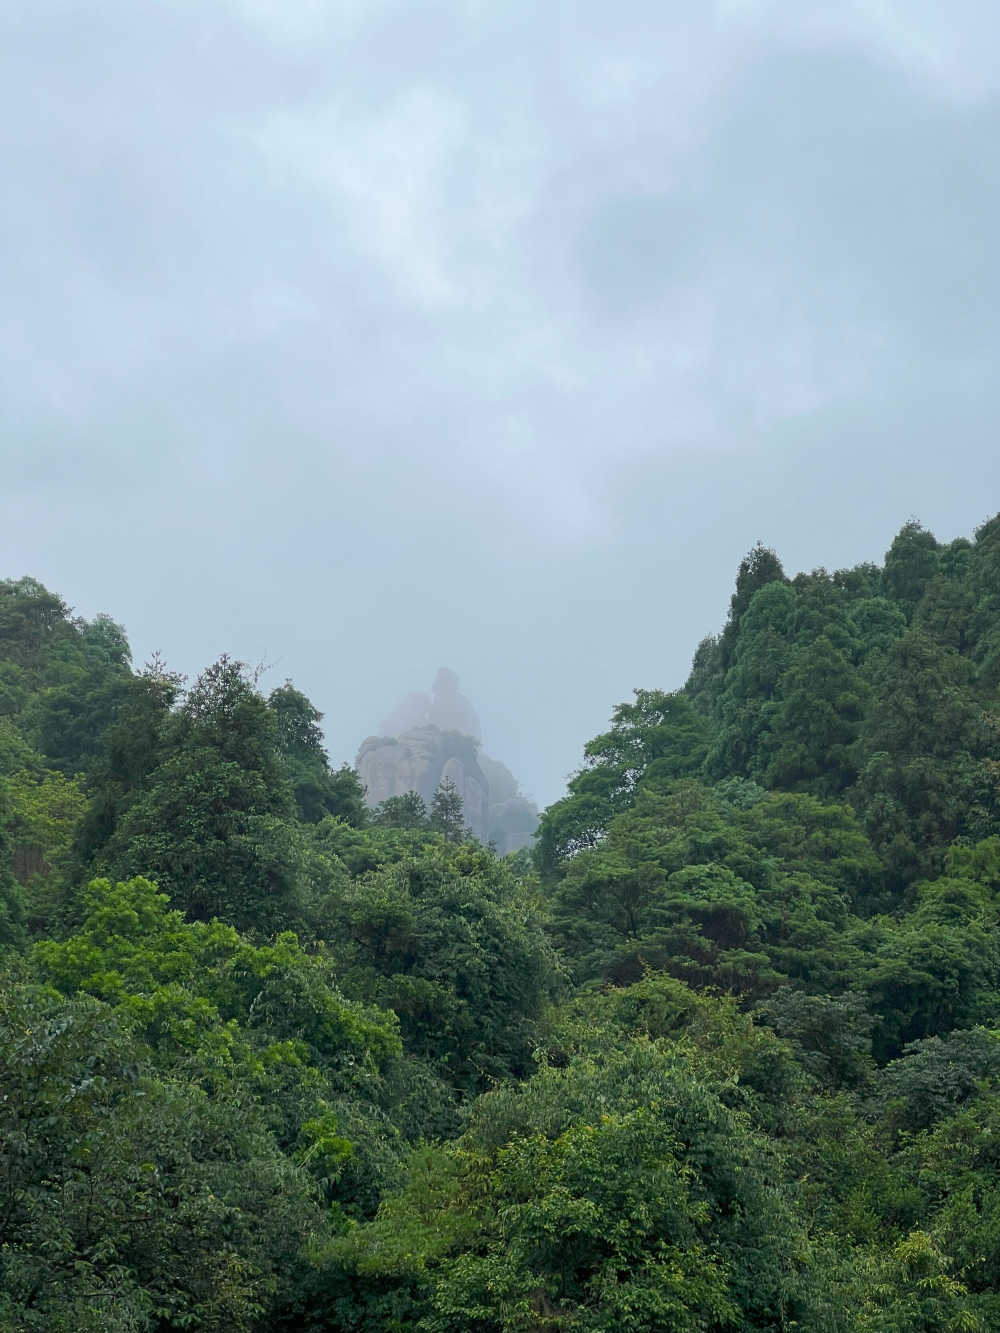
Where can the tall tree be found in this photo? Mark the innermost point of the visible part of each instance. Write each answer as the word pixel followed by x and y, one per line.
pixel 923 746
pixel 318 790
pixel 213 824
pixel 910 563
pixel 657 738
pixel 759 567
pixel 447 812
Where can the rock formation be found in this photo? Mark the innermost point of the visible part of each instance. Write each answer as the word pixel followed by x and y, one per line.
pixel 445 708
pixel 419 760
pixel 430 738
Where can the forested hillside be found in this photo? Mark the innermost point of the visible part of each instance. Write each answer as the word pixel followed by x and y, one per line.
pixel 721 1054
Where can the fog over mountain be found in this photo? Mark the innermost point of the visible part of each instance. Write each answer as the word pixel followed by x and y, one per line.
pixel 354 338
pixel 431 740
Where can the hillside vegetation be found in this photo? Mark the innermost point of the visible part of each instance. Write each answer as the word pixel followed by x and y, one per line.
pixel 721 1054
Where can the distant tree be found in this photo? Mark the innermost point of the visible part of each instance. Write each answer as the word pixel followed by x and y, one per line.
pixel 32 622
pixel 105 638
pixel 922 748
pixel 758 567
pixel 984 629
pixel 407 811
pixel 876 624
pixel 813 729
pixel 318 790
pixel 760 654
pixel 910 563
pixel 447 812
pixel 945 612
pixel 135 747
pixel 451 941
pixel 926 979
pixel 212 824
pixel 934 1077
pixel 45 812
pixel 658 737
pixel 12 908
pixel 69 723
pixel 832 1035
pixel 297 723
pixel 63 678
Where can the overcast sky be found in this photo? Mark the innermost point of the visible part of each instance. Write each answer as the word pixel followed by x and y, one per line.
pixel 364 337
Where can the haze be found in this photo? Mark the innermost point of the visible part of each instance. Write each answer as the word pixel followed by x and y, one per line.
pixel 363 338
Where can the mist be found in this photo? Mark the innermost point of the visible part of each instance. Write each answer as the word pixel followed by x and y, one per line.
pixel 359 339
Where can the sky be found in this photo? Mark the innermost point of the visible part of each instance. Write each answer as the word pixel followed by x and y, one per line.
pixel 359 338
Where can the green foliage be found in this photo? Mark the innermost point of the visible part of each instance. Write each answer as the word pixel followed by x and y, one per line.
pixel 954 1168
pixel 12 907
pixel 686 883
pixel 722 1056
pixel 404 812
pixel 813 730
pixel 33 624
pixel 130 1202
pixel 131 944
pixel 935 1076
pixel 318 790
pixel 659 737
pixel 212 822
pixel 832 1035
pixel 265 1022
pixel 612 1194
pixel 136 745
pixel 910 1290
pixel 45 810
pixel 758 568
pixel 925 742
pixel 62 679
pixel 447 815
pixel 910 564
pixel 450 942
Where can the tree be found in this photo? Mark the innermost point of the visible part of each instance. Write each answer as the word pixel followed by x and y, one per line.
pixel 926 979
pixel 318 790
pixel 12 908
pixel 934 1077
pixel 759 656
pixel 832 1035
pixel 447 814
pixel 658 737
pixel 450 941
pixel 263 1023
pixel 212 823
pixel 984 571
pixel 923 745
pixel 758 568
pixel 813 729
pixel 32 621
pixel 715 893
pixel 130 1200
pixel 911 1289
pixel 405 812
pixel 910 564
pixel 608 1195
pixel 45 810
pixel 135 747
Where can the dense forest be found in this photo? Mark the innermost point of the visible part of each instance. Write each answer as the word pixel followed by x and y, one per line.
pixel 721 1053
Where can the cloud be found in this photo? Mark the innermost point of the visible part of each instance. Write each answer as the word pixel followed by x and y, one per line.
pixel 382 335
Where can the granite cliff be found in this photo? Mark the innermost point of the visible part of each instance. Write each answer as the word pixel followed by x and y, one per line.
pixel 430 738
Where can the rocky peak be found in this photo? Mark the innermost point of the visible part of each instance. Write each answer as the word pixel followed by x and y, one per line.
pixel 430 738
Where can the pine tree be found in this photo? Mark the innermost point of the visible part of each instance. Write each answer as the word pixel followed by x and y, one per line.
pixel 447 812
